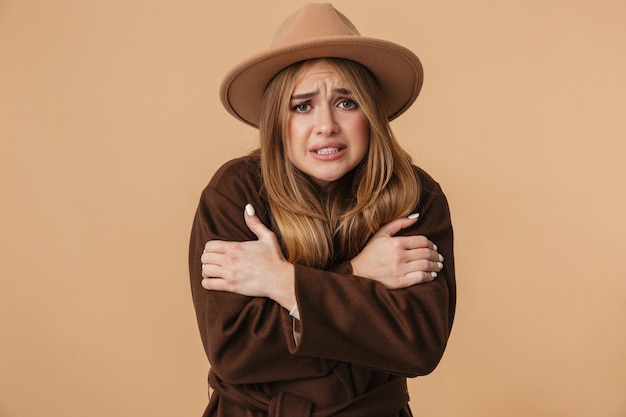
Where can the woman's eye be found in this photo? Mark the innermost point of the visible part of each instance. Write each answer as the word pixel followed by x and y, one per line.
pixel 347 104
pixel 301 108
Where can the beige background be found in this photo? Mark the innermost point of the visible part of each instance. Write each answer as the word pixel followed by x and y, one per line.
pixel 110 126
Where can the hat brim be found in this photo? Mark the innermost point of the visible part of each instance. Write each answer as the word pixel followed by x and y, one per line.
pixel 398 72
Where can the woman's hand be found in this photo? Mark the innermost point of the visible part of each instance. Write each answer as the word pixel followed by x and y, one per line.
pixel 253 268
pixel 398 261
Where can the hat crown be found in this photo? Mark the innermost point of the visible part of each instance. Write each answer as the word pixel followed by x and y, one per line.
pixel 313 21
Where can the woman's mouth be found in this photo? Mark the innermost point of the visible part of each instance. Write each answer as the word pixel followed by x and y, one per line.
pixel 327 151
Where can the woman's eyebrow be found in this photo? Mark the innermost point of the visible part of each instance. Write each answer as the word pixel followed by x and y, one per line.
pixel 343 91
pixel 303 95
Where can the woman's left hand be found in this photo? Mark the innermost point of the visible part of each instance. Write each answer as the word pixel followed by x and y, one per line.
pixel 255 268
pixel 398 261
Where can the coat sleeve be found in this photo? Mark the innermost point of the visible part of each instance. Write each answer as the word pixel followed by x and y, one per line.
pixel 357 320
pixel 245 338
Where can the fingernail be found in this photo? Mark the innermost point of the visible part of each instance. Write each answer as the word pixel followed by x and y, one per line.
pixel 414 216
pixel 440 258
pixel 435 247
pixel 433 274
pixel 250 210
pixel 440 265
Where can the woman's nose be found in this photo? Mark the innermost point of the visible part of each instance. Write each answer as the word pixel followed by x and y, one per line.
pixel 326 122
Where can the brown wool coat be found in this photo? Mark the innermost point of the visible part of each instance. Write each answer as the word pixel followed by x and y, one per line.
pixel 359 341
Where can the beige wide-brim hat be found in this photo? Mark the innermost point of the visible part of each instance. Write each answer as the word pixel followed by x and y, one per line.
pixel 320 31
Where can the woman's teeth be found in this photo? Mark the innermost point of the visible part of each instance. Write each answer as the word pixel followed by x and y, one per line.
pixel 326 151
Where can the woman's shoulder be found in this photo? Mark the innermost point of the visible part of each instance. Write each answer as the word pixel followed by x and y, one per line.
pixel 431 192
pixel 245 169
pixel 425 179
pixel 237 182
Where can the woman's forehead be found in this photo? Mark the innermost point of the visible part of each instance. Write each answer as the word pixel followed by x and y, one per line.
pixel 319 74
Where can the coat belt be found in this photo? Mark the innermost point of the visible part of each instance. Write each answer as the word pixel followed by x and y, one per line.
pixel 384 400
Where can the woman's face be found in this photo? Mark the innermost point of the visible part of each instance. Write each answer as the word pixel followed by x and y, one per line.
pixel 327 132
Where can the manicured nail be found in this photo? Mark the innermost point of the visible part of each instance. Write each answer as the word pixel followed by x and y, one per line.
pixel 250 210
pixel 433 274
pixel 414 216
pixel 440 258
pixel 440 265
pixel 435 247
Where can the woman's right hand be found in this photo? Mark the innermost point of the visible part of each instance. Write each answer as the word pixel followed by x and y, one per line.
pixel 398 261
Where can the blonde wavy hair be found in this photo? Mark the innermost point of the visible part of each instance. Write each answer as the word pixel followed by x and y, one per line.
pixel 321 227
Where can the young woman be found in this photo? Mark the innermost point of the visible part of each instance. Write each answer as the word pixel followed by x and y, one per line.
pixel 317 285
